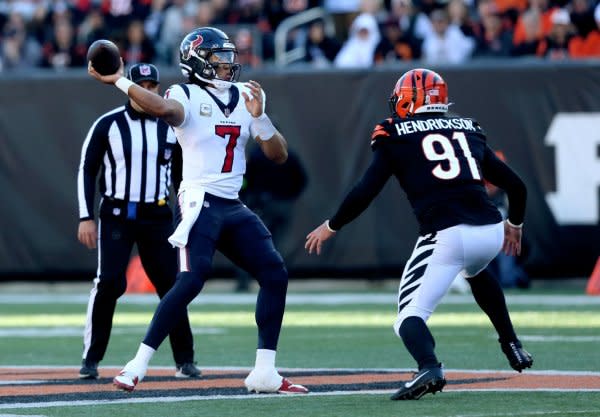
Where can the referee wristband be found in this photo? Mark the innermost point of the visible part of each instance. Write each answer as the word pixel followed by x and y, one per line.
pixel 329 227
pixel 516 226
pixel 123 84
pixel 263 127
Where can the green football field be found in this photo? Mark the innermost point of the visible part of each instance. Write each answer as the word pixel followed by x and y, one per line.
pixel 329 330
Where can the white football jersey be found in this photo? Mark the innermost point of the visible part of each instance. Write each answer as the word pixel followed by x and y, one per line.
pixel 213 137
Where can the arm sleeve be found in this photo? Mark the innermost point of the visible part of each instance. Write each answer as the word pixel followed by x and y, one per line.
pixel 360 197
pixel 501 175
pixel 92 152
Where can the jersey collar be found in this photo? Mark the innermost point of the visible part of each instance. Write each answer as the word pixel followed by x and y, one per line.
pixel 234 98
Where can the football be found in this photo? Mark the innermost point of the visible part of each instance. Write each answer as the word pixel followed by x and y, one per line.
pixel 105 56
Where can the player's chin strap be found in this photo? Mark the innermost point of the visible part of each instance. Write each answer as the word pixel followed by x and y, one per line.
pixel 220 85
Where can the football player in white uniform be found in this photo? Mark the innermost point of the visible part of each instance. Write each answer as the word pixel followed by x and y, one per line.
pixel 214 116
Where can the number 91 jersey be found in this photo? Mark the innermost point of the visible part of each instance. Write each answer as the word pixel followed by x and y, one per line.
pixel 439 162
pixel 213 138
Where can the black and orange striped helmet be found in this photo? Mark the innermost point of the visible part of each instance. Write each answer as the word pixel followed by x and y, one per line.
pixel 419 91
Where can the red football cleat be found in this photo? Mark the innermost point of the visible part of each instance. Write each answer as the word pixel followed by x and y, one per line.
pixel 287 387
pixel 126 381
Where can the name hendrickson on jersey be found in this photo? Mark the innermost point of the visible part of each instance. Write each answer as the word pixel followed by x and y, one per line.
pixel 416 125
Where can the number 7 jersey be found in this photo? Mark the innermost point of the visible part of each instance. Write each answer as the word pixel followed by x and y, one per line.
pixel 213 138
pixel 440 162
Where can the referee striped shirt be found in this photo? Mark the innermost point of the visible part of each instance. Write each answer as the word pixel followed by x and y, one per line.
pixel 133 153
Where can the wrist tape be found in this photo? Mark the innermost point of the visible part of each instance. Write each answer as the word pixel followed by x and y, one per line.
pixel 123 84
pixel 263 127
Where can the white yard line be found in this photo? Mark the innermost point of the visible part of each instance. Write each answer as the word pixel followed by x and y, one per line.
pixel 297 298
pixel 258 396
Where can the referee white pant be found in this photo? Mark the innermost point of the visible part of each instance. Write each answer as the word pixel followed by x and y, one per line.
pixel 437 259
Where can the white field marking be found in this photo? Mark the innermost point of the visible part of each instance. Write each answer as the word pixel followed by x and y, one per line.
pixel 530 413
pixel 78 331
pixel 284 370
pixel 259 396
pixel 293 299
pixel 20 415
pixel 22 382
pixel 541 338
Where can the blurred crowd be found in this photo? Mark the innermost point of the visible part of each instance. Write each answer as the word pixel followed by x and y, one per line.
pixel 56 33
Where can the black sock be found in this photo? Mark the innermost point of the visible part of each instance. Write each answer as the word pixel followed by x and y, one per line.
pixel 419 342
pixel 489 296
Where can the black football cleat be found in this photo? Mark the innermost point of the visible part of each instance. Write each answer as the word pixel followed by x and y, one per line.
pixel 518 358
pixel 427 380
pixel 89 370
pixel 187 370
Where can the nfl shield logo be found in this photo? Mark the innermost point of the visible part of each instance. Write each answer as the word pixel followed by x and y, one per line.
pixel 145 70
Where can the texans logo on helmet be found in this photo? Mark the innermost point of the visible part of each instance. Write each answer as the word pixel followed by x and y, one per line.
pixel 193 44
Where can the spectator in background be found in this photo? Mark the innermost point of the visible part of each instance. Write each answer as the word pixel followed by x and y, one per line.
pixel 137 47
pixel 171 31
pixel 374 8
pixel 120 13
pixel 321 49
pixel 447 44
pixel 557 44
pixel 582 17
pixel 92 28
pixel 411 20
pixel 343 12
pixel 396 45
pixel 245 46
pixel 530 24
pixel 493 41
pixel 358 50
pixel 459 16
pixel 544 10
pixel 154 23
pixel 62 51
pixel 588 46
pixel 221 10
pixel 18 49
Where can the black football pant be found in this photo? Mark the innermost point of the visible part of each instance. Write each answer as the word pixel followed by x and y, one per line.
pixel 149 230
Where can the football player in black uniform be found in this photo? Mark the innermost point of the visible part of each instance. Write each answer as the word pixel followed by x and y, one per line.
pixel 440 162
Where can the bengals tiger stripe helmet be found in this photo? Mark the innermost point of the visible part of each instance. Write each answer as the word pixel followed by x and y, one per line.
pixel 419 91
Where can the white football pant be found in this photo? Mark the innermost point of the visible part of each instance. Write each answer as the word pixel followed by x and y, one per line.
pixel 437 259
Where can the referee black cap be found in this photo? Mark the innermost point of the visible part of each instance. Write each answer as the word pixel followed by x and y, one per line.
pixel 143 72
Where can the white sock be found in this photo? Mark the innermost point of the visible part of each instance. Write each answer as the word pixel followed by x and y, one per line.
pixel 265 359
pixel 143 356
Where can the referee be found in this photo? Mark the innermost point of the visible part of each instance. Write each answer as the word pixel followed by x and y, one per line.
pixel 132 151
